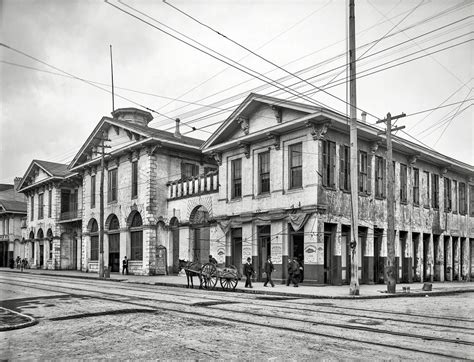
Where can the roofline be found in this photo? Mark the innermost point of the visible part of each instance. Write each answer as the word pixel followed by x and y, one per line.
pixel 23 179
pixel 46 180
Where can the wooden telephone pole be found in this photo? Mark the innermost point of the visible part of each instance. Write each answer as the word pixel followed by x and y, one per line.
pixel 354 285
pixel 101 205
pixel 391 270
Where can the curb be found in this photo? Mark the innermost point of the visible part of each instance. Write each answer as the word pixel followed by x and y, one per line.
pixel 412 294
pixel 31 321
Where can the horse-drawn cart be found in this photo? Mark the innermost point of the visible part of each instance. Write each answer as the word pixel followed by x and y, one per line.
pixel 209 273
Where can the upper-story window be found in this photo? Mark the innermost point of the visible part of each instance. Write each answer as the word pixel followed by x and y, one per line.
pixel 471 200
pixel 32 208
pixel 189 170
pixel 344 168
pixel 380 165
pixel 455 196
pixel 416 187
pixel 435 191
pixel 93 183
pixel 112 186
pixel 426 182
pixel 40 206
pixel 264 172
pixel 295 156
pixel 363 172
pixel 403 183
pixel 447 194
pixel 134 179
pixel 50 203
pixel 329 163
pixel 236 178
pixel 462 198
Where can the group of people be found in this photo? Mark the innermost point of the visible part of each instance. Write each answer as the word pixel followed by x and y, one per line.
pixel 19 263
pixel 295 272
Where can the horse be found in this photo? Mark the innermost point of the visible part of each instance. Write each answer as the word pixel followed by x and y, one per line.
pixel 191 269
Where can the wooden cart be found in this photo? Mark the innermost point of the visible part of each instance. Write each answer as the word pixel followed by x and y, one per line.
pixel 228 276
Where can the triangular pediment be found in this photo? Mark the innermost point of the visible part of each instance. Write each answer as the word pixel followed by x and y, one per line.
pixel 39 171
pixel 258 113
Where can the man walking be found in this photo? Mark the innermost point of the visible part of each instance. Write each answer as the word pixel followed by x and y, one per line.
pixel 248 271
pixel 125 265
pixel 269 268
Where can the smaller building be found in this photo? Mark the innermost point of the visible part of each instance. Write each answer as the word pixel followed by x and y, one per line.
pixel 54 211
pixel 12 218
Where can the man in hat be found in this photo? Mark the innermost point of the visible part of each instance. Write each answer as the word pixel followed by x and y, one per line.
pixel 269 268
pixel 248 271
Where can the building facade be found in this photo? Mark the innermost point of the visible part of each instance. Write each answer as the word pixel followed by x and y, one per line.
pixel 273 180
pixel 12 218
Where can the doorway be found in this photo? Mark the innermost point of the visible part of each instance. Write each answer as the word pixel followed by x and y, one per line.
pixel 404 257
pixel 416 257
pixel 436 258
pixel 114 252
pixel 447 259
pixel 379 262
pixel 426 258
pixel 236 242
pixel 264 250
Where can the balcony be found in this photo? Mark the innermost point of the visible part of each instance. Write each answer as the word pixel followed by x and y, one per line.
pixel 70 215
pixel 193 186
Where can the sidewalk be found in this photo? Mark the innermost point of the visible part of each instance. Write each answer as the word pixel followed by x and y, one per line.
pixel 303 291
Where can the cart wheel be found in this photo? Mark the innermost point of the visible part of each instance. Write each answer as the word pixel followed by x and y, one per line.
pixel 228 283
pixel 209 276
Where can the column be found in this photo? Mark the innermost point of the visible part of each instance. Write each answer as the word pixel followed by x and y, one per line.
pixel 448 257
pixel 185 249
pixel 456 259
pixel 438 255
pixel 279 249
pixel 369 255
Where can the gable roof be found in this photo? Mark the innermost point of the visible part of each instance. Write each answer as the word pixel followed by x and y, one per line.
pixel 17 207
pixel 150 135
pixel 52 169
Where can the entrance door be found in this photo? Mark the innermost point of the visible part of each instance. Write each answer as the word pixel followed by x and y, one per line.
pixel 426 261
pixel 379 260
pixel 436 258
pixel 296 249
pixel 327 258
pixel 447 253
pixel 114 252
pixel 263 233
pixel 236 240
pixel 41 255
pixel 404 257
pixel 416 257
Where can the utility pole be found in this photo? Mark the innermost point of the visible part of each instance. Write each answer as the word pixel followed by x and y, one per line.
pixel 354 285
pixel 390 267
pixel 101 206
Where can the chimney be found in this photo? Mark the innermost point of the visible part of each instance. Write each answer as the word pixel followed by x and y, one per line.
pixel 364 116
pixel 16 182
pixel 177 134
pixel 133 115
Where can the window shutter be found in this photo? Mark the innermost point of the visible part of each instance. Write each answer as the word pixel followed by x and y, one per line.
pixel 369 173
pixel 341 167
pixel 324 162
pixel 384 178
pixel 332 155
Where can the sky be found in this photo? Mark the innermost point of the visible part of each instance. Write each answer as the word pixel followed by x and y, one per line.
pixel 413 56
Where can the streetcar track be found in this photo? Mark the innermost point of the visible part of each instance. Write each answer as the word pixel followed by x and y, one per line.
pixel 365 329
pixel 422 323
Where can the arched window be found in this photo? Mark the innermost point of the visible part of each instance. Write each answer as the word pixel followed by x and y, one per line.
pixel 136 237
pixel 94 230
pixel 40 234
pixel 114 235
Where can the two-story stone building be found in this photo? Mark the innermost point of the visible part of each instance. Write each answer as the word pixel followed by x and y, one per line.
pixel 12 214
pixel 54 215
pixel 284 191
pixel 138 163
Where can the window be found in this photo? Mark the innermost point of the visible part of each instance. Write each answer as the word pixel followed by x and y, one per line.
pixel 136 238
pixel 112 186
pixel 455 196
pixel 344 168
pixel 114 236
pixel 416 187
pixel 236 175
pixel 94 240
pixel 32 208
pixel 380 165
pixel 50 203
pixel 40 206
pixel 51 249
pixel 189 170
pixel 426 182
pixel 447 194
pixel 403 183
pixel 435 191
pixel 362 172
pixel 134 179
pixel 462 198
pixel 264 172
pixel 93 183
pixel 329 163
pixel 295 157
pixel 471 200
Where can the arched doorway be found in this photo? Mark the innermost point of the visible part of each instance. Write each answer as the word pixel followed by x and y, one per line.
pixel 40 237
pixel 114 243
pixel 93 228
pixel 200 234
pixel 136 236
pixel 174 240
pixel 49 236
pixel 66 251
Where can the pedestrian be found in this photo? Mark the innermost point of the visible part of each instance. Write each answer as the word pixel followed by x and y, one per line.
pixel 212 260
pixel 18 262
pixel 125 265
pixel 296 272
pixel 301 262
pixel 22 264
pixel 269 268
pixel 289 279
pixel 248 271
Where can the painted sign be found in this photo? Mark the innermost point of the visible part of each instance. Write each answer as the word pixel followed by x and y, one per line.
pixel 277 254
